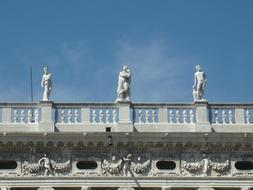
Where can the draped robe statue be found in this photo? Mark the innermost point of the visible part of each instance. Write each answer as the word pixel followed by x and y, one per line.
pixel 46 84
pixel 123 91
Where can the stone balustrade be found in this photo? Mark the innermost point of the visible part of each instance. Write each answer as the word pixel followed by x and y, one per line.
pixel 125 117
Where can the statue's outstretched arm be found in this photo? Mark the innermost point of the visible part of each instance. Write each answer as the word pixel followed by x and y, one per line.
pixel 40 160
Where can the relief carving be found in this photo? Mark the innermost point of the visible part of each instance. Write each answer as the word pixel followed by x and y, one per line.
pixel 126 166
pixel 205 166
pixel 141 168
pixel 112 168
pixel 45 166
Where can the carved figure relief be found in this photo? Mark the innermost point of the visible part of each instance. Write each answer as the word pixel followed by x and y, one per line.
pixel 112 168
pixel 126 166
pixel 205 166
pixel 141 168
pixel 45 166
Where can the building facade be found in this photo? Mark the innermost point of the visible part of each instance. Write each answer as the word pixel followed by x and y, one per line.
pixel 126 146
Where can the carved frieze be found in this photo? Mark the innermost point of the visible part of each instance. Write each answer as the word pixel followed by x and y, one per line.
pixel 46 166
pixel 126 166
pixel 205 167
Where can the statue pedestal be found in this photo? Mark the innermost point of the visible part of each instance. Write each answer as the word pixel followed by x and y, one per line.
pixel 124 124
pixel 202 116
pixel 46 124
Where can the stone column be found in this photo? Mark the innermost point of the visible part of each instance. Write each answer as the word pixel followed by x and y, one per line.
pixel 125 188
pixel 46 124
pixel 124 124
pixel 45 188
pixel 202 117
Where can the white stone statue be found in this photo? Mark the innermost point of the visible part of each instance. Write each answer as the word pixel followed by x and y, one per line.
pixel 127 164
pixel 46 84
pixel 46 164
pixel 124 81
pixel 199 84
pixel 206 164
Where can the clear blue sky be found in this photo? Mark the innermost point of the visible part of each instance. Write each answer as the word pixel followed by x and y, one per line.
pixel 85 43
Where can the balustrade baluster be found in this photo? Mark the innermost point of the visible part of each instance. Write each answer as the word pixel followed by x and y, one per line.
pixel 153 116
pixel 171 117
pixel 224 115
pixel 70 116
pixel 247 116
pixel 147 116
pixel 29 116
pixel 184 116
pixel 15 116
pixel 191 116
pixel 114 116
pixel 100 116
pixel 63 116
pixel 94 116
pixel 22 116
pixel 140 116
pixel 230 116
pixel 178 115
pixel 76 115
pixel 36 116
pixel 216 116
pixel 107 116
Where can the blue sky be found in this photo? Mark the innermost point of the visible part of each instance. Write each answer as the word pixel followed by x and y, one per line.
pixel 86 43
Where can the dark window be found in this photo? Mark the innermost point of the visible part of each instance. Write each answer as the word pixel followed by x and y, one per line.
pixel 244 165
pixel 8 165
pixel 166 165
pixel 86 165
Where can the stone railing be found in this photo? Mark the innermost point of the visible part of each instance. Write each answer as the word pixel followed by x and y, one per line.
pixel 126 117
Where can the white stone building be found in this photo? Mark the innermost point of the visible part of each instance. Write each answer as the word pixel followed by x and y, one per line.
pixel 126 146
